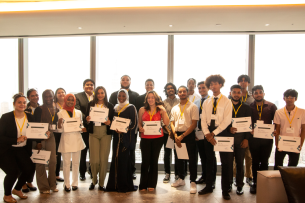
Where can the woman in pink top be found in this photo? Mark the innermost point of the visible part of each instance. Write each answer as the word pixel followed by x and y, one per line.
pixel 152 140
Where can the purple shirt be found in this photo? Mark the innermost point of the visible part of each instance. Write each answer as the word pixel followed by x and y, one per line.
pixel 267 113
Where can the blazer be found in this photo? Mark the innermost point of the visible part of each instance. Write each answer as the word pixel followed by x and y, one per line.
pixel 82 105
pixel 9 133
pixel 110 117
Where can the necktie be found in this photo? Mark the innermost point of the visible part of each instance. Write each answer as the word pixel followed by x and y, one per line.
pixel 200 111
pixel 213 121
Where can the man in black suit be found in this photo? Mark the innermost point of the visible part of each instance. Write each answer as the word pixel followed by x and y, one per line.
pixel 82 100
pixel 125 84
pixel 149 85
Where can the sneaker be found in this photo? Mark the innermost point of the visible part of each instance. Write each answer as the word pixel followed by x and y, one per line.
pixel 178 182
pixel 166 178
pixel 193 189
pixel 45 192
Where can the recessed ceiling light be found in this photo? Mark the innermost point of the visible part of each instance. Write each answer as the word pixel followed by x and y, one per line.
pixel 80 28
pixel 170 25
pixel 267 24
pixel 218 24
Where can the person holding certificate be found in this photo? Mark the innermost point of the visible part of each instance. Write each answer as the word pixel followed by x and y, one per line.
pixel 71 143
pixel 184 117
pixel 151 142
pixel 99 135
pixel 120 175
pixel 15 149
pixel 240 110
pixel 289 121
pixel 262 112
pixel 216 117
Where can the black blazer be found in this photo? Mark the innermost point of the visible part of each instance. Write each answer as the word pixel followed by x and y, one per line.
pixel 82 105
pixel 110 116
pixel 9 133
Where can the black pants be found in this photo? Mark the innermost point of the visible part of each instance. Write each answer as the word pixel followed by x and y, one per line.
pixel 167 156
pixel 16 163
pixel 203 160
pixel 83 156
pixel 58 154
pixel 239 154
pixel 132 157
pixel 190 143
pixel 211 163
pixel 150 150
pixel 279 158
pixel 260 151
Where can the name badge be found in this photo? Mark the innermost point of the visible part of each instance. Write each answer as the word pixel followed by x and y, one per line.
pixel 53 126
pixel 97 123
pixel 259 122
pixel 289 130
pixel 213 117
pixel 181 122
pixel 200 115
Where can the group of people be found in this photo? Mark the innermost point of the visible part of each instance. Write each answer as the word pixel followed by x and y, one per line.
pixel 185 119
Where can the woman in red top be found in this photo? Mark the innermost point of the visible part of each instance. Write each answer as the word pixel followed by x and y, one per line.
pixel 151 141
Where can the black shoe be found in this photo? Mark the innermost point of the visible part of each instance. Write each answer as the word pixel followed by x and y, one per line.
pixel 91 187
pixel 205 190
pixel 134 176
pixel 249 181
pixel 230 188
pixel 82 178
pixel 201 180
pixel 67 189
pixel 213 186
pixel 31 188
pixel 253 189
pixel 74 188
pixel 25 190
pixel 239 191
pixel 226 195
pixel 234 181
pixel 102 188
pixel 60 179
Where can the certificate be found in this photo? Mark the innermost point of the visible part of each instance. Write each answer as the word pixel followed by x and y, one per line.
pixel 120 124
pixel 152 127
pixel 199 134
pixel 289 144
pixel 72 125
pixel 264 131
pixel 182 152
pixel 170 143
pixel 242 124
pixel 36 130
pixel 40 158
pixel 224 144
pixel 99 114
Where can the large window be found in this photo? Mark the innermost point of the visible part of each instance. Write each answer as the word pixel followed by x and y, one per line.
pixel 9 73
pixel 279 62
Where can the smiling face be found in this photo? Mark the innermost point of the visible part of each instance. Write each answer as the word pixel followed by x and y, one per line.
pixel 70 101
pixel 34 97
pixel 258 95
pixel 170 90
pixel 60 95
pixel 203 90
pixel 149 86
pixel 20 104
pixel 88 88
pixel 48 98
pixel 182 93
pixel 236 94
pixel 289 100
pixel 100 94
pixel 191 85
pixel 122 97
pixel 151 100
pixel 125 82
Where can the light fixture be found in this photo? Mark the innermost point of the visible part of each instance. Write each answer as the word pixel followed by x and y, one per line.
pixel 80 28
pixel 267 24
pixel 170 25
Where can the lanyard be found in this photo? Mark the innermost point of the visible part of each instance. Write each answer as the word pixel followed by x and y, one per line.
pixel 51 113
pixel 237 109
pixel 260 114
pixel 193 99
pixel 181 113
pixel 290 121
pixel 215 107
pixel 151 115
pixel 18 123
pixel 73 116
pixel 242 98
pixel 59 105
pixel 101 105
pixel 201 102
pixel 122 110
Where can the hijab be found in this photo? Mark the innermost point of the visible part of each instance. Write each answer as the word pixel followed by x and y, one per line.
pixel 65 106
pixel 119 106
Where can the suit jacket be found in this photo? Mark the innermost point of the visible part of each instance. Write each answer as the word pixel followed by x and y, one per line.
pixel 9 133
pixel 82 105
pixel 132 97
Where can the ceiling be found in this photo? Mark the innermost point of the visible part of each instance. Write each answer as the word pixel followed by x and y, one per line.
pixel 154 20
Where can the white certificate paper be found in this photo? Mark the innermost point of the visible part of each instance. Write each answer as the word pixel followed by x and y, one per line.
pixel 120 124
pixel 99 114
pixel 199 134
pixel 170 143
pixel 242 124
pixel 36 130
pixel 289 144
pixel 264 131
pixel 152 127
pixel 182 152
pixel 40 158
pixel 224 144
pixel 72 125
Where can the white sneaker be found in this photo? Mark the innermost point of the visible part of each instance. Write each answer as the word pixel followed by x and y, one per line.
pixel 178 182
pixel 193 189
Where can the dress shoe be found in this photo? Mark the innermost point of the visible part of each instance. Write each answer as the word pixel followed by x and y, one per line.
pixel 205 190
pixel 60 179
pixel 134 176
pixel 201 180
pixel 249 181
pixel 253 189
pixel 21 196
pixel 213 186
pixel 239 191
pixel 74 188
pixel 101 188
pixel 67 189
pixel 31 188
pixel 92 186
pixel 82 178
pixel 226 195
pixel 9 200
pixel 230 188
pixel 25 190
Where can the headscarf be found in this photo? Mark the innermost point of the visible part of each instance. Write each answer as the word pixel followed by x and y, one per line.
pixel 119 106
pixel 65 105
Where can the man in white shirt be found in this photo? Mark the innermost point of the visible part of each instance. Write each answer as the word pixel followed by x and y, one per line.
pixel 216 117
pixel 184 117
pixel 289 121
pixel 192 95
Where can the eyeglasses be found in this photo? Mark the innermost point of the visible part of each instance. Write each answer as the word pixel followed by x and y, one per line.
pixel 289 97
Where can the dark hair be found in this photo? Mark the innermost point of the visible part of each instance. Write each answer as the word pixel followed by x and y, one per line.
pixel 235 86
pixel 157 100
pixel 88 80
pixel 291 92
pixel 189 80
pixel 257 87
pixel 55 97
pixel 47 90
pixel 214 78
pixel 200 83
pixel 17 96
pixel 95 99
pixel 182 86
pixel 151 80
pixel 28 93
pixel 167 84
pixel 127 76
pixel 247 78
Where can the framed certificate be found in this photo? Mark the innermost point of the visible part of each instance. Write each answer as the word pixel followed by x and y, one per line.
pixel 40 158
pixel 99 114
pixel 242 124
pixel 120 124
pixel 72 125
pixel 152 127
pixel 224 144
pixel 264 131
pixel 36 130
pixel 289 144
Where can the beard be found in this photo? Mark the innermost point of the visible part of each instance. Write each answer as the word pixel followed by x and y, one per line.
pixel 236 100
pixel 126 87
pixel 258 100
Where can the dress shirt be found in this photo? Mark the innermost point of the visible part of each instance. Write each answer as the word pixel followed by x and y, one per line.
pixel 267 114
pixel 194 97
pixel 223 114
pixel 281 119
pixel 199 103
pixel 190 114
pixel 90 98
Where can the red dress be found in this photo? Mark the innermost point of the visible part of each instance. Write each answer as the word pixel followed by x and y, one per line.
pixel 156 117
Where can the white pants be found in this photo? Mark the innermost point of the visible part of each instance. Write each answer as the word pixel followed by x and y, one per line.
pixel 75 167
